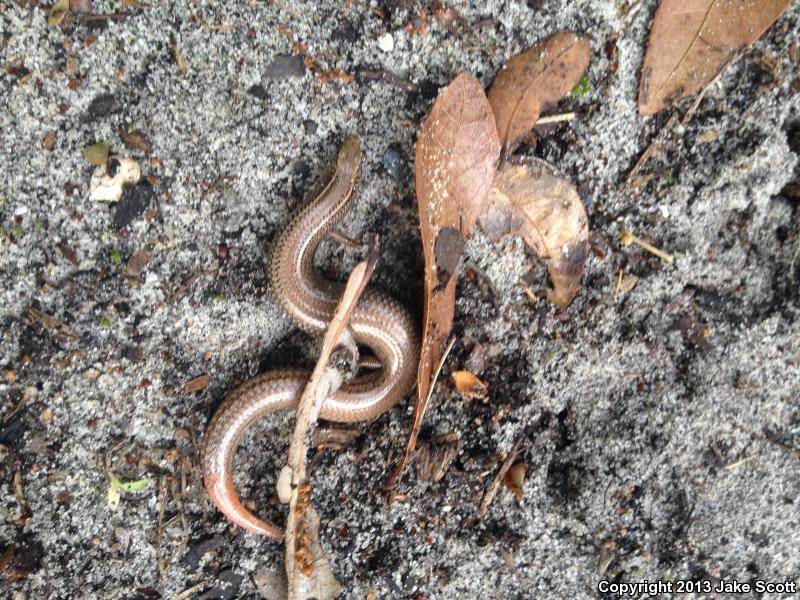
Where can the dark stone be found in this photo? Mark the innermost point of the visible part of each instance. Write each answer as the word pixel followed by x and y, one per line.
pixel 228 589
pixel 395 164
pixel 428 89
pixel 551 149
pixel 199 549
pixel 284 66
pixel 347 32
pixel 135 200
pixel 144 594
pixel 259 92
pixel 13 430
pixel 102 106
pixel 133 353
pixel 310 126
pixel 300 169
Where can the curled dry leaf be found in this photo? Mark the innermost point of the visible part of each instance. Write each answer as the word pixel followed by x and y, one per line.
pixel 534 201
pixel 456 156
pixel 529 81
pixel 691 40
pixel 514 478
pixel 467 384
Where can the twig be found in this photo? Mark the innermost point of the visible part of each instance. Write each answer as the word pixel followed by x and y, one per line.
pixel 189 591
pixel 739 462
pixel 163 566
pixel 491 491
pixel 307 569
pixel 693 108
pixel 24 510
pixel 646 154
pixel 58 328
pixel 628 238
pixel 568 116
pixel 119 16
pixel 389 77
pixel 419 413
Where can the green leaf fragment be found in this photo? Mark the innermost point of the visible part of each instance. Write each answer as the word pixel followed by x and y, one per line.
pixel 58 12
pixel 128 486
pixel 106 322
pixel 582 87
pixel 96 154
pixel 116 257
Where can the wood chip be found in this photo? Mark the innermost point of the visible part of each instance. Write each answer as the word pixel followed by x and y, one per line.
pixel 197 384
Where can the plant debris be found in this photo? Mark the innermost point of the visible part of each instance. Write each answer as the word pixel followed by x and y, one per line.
pixel 456 156
pixel 689 46
pixel 628 238
pixel 534 201
pixel 514 479
pixel 532 80
pixel 110 177
pixel 307 569
pixel 197 384
pixel 467 384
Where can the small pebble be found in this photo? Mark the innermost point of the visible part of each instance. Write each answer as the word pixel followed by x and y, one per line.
pixel 395 164
pixel 386 42
pixel 285 66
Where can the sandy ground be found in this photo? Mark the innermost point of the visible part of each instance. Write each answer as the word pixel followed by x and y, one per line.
pixel 659 426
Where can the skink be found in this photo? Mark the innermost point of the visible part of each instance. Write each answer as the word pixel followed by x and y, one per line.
pixel 379 322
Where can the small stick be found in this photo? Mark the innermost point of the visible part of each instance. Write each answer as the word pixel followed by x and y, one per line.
pixel 24 510
pixel 491 491
pixel 739 462
pixel 628 238
pixel 568 116
pixel 191 590
pixel 693 108
pixel 341 238
pixel 529 292
pixel 415 427
pixel 646 154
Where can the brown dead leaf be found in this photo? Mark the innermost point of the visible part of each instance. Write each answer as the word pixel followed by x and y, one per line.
pixel 336 75
pixel 456 156
pixel 137 262
pixel 467 384
pixel 692 40
pixel 417 24
pixel 307 569
pixel 135 139
pixel 529 81
pixel 49 140
pixel 532 200
pixel 514 478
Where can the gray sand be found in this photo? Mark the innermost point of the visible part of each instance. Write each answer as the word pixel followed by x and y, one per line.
pixel 660 426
